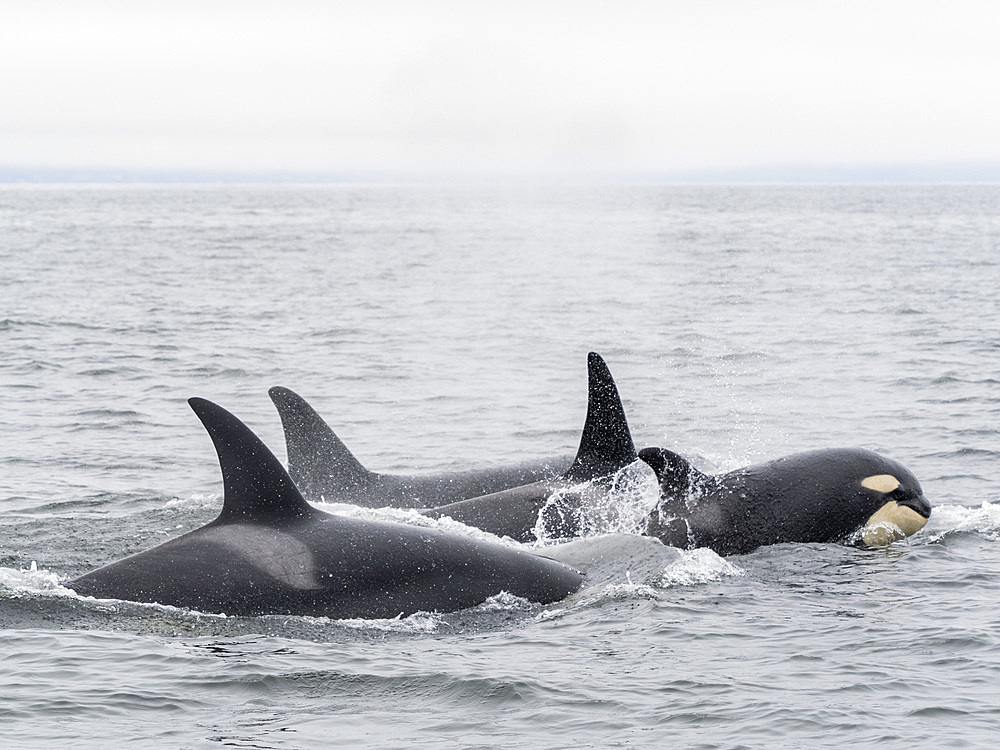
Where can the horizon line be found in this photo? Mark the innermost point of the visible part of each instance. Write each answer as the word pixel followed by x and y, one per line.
pixel 964 172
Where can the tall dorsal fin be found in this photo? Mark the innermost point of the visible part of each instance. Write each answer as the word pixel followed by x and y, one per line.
pixel 673 472
pixel 606 445
pixel 315 454
pixel 257 487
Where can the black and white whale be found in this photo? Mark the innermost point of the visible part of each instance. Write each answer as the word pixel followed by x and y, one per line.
pixel 817 496
pixel 325 470
pixel 606 448
pixel 270 552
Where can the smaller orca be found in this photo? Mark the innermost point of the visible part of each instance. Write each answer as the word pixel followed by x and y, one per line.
pixel 605 448
pixel 817 496
pixel 270 552
pixel 325 470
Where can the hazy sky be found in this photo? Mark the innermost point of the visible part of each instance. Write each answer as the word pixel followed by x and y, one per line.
pixel 497 86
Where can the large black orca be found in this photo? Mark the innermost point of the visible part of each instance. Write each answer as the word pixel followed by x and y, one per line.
pixel 605 449
pixel 817 496
pixel 325 470
pixel 270 552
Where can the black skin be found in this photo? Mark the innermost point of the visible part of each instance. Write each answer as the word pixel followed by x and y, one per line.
pixel 514 513
pixel 815 496
pixel 270 552
pixel 325 470
pixel 605 448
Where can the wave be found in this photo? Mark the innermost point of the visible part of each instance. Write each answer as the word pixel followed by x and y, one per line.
pixel 13 323
pixel 963 453
pixel 418 622
pixel 503 604
pixel 622 567
pixel 948 520
pixel 619 567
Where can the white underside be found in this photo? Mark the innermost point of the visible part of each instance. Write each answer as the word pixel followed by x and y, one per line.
pixel 891 522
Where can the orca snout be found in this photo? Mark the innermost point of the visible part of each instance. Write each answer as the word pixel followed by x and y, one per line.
pixel 917 503
pixel 900 517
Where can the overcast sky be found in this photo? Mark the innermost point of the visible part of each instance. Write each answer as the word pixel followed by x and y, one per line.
pixel 497 86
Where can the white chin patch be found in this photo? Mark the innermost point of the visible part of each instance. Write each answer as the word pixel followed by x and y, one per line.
pixel 891 522
pixel 881 483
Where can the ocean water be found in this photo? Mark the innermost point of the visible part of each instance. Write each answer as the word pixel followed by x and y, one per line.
pixel 441 327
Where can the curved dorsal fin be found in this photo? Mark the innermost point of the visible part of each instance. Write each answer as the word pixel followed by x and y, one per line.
pixel 257 487
pixel 673 472
pixel 315 453
pixel 606 445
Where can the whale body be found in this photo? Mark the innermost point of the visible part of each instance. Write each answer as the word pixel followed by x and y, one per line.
pixel 325 470
pixel 606 448
pixel 845 494
pixel 271 552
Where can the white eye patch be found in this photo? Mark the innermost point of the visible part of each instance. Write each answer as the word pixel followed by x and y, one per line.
pixel 881 483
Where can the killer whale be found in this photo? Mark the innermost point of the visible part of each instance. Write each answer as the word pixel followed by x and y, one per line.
pixel 605 448
pixel 817 496
pixel 270 552
pixel 325 470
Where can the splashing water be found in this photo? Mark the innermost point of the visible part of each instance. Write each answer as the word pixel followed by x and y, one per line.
pixel 418 622
pixel 592 509
pixel 698 566
pixel 959 519
pixel 32 581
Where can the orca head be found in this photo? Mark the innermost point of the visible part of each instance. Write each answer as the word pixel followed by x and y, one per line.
pixel 875 500
pixel 680 484
pixel 900 508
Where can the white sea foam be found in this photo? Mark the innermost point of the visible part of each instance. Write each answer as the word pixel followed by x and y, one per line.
pixel 595 596
pixel 418 622
pixel 595 510
pixel 31 580
pixel 551 614
pixel 698 566
pixel 628 590
pixel 412 517
pixel 952 519
pixel 505 602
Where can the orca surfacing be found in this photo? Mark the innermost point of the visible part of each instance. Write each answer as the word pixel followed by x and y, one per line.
pixel 325 470
pixel 818 496
pixel 270 552
pixel 606 447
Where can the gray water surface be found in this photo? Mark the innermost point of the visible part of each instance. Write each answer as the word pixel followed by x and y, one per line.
pixel 441 327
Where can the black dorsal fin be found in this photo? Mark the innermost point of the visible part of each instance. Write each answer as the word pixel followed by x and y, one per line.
pixel 257 487
pixel 316 456
pixel 674 473
pixel 606 445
